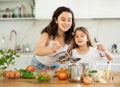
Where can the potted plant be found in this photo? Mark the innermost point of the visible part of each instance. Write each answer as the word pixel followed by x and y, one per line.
pixel 6 59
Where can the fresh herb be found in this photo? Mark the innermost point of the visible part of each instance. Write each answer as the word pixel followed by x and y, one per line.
pixel 91 72
pixel 7 59
pixel 43 77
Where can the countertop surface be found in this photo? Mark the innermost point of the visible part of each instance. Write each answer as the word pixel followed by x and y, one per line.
pixel 54 82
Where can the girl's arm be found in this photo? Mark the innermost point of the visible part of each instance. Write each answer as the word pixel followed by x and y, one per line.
pixel 107 54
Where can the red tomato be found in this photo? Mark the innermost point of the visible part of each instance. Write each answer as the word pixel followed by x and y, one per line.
pixel 43 70
pixel 11 74
pixel 31 68
pixel 6 74
pixel 17 74
pixel 62 75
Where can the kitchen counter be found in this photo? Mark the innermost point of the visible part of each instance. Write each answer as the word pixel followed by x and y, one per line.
pixel 4 82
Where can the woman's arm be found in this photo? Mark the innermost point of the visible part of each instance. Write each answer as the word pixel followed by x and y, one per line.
pixel 42 49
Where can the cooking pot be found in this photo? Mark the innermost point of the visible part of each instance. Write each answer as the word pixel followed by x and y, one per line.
pixel 76 71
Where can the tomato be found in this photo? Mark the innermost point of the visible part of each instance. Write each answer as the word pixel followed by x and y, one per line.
pixel 62 69
pixel 6 74
pixel 31 68
pixel 17 74
pixel 62 75
pixel 43 70
pixel 11 74
pixel 87 80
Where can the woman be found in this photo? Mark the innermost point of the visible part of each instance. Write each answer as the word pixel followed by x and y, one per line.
pixel 54 38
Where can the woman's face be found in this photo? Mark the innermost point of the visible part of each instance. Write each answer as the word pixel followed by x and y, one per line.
pixel 80 38
pixel 64 21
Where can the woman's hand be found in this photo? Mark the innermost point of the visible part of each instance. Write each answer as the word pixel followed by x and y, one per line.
pixel 55 46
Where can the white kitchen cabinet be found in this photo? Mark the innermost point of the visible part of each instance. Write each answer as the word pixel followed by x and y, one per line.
pixel 81 8
pixel 104 8
pixel 16 9
pixel 44 9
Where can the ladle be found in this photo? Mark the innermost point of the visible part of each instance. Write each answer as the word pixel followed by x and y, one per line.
pixel 65 56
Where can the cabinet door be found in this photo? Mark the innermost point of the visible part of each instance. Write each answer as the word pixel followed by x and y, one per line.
pixel 104 8
pixel 45 9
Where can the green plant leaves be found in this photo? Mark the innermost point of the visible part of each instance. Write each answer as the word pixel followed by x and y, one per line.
pixel 91 72
pixel 7 58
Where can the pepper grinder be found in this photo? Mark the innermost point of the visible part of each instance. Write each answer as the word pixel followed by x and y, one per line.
pixel 102 54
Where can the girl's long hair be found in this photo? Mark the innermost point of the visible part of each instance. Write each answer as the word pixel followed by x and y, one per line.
pixel 73 44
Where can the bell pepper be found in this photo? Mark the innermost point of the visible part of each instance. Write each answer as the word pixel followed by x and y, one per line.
pixel 26 74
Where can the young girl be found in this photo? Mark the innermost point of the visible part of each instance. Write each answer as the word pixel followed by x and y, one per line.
pixel 82 47
pixel 54 38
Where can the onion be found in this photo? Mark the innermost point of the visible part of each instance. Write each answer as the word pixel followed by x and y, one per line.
pixel 87 80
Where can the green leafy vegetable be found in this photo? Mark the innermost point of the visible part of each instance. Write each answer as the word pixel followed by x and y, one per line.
pixel 7 58
pixel 91 72
pixel 43 77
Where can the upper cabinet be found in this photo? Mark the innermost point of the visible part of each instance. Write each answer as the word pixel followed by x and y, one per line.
pixel 104 8
pixel 17 9
pixel 81 8
pixel 45 9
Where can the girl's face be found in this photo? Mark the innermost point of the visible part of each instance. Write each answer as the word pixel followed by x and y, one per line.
pixel 64 21
pixel 80 38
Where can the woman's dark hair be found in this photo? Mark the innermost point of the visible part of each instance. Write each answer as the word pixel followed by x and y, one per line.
pixel 52 28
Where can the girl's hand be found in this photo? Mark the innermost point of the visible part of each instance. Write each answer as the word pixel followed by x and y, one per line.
pixel 101 47
pixel 55 46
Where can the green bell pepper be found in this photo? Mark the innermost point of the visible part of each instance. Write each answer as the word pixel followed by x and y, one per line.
pixel 26 74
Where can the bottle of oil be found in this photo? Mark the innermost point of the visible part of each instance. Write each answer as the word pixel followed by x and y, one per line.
pixel 108 72
pixel 102 54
